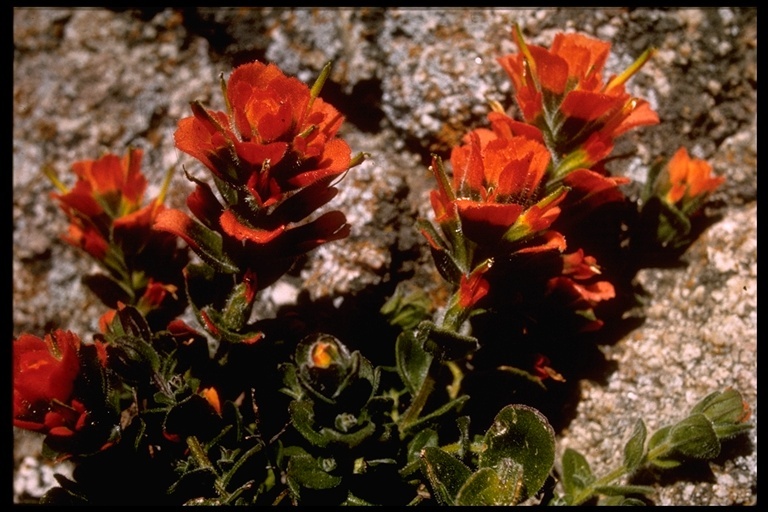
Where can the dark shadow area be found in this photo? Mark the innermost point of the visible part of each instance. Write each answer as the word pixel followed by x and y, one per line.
pixel 361 107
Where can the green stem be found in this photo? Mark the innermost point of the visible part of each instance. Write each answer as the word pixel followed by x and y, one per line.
pixel 413 411
pixel 586 493
pixel 589 490
pixel 202 461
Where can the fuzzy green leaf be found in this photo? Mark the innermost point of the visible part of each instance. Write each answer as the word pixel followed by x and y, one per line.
pixel 450 269
pixel 446 474
pixel 412 361
pixel 306 471
pixel 623 490
pixel 722 407
pixel 666 459
pixel 619 501
pixel 446 344
pixel 728 431
pixel 237 309
pixel 434 415
pixel 407 310
pixel 634 449
pixel 577 474
pixel 695 437
pixel 350 439
pixel 303 418
pixel 424 438
pixel 523 435
pixel 209 245
pixel 485 487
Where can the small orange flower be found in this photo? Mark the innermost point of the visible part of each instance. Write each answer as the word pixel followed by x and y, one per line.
pixel 578 287
pixel 212 397
pixel 323 354
pixel 542 370
pixel 44 374
pixel 689 180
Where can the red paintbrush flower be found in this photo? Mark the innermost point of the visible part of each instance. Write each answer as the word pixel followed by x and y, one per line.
pixel 275 155
pixel 561 90
pixel 45 397
pixel 109 221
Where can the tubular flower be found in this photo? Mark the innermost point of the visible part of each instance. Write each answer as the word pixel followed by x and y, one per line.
pixel 561 91
pixel 274 155
pixel 578 288
pixel 689 182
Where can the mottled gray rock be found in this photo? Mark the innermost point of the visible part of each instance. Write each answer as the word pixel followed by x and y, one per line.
pixel 411 82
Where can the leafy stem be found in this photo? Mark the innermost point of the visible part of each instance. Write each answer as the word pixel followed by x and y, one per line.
pixel 198 453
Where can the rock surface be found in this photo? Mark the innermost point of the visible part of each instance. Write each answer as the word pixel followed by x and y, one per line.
pixel 411 82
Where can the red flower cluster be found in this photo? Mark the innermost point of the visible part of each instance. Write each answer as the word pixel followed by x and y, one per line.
pixel 107 194
pixel 518 184
pixel 274 155
pixel 494 205
pixel 561 91
pixel 44 375
pixel 108 221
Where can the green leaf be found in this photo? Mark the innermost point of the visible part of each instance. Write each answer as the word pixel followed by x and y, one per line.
pixel 237 309
pixel 350 439
pixel 303 418
pixel 634 449
pixel 434 415
pixel 523 435
pixel 426 437
pixel 291 381
pixel 224 329
pixel 406 310
pixel 412 361
pixel 619 501
pixel 695 437
pixel 446 474
pixel 577 474
pixel 302 415
pixel 306 471
pixel 194 484
pixel 209 246
pixel 722 407
pixel 674 224
pixel 134 324
pixel 666 459
pixel 133 358
pixel 446 344
pixel 623 490
pixel 486 487
pixel 447 266
pixel 728 431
